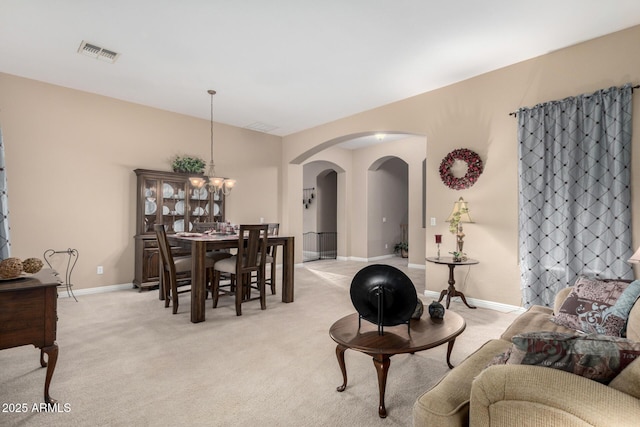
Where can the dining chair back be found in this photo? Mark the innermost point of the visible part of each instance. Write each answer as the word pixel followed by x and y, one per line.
pixel 250 258
pixel 168 277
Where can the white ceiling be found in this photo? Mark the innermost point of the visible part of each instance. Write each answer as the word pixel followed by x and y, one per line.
pixel 287 64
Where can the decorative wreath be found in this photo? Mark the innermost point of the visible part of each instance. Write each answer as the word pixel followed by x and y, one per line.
pixel 474 169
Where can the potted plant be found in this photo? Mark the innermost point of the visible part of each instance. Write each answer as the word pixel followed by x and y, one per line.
pixel 402 248
pixel 188 164
pixel 458 256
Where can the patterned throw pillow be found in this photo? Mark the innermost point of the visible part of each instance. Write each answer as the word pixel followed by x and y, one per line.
pixel 600 307
pixel 597 357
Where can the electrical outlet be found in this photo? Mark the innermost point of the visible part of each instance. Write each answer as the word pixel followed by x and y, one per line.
pixel 100 270
pixel 433 221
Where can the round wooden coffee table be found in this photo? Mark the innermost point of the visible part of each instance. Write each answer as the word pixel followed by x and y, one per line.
pixel 422 334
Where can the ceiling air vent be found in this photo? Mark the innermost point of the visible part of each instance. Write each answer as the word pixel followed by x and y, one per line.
pixel 261 127
pixel 97 52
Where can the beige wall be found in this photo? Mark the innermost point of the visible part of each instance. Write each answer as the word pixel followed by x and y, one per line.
pixel 70 157
pixel 474 114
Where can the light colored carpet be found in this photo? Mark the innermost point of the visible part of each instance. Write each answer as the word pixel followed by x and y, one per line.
pixel 126 360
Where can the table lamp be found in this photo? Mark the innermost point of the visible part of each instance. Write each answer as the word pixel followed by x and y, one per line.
pixel 635 258
pixel 459 215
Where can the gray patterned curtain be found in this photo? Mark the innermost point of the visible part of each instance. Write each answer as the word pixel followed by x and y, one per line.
pixel 575 198
pixel 5 246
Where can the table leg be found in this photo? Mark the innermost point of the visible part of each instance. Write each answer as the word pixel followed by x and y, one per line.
pixel 464 300
pixel 198 279
pixel 52 358
pixel 382 362
pixel 449 348
pixel 442 295
pixel 288 256
pixel 451 291
pixel 452 281
pixel 340 349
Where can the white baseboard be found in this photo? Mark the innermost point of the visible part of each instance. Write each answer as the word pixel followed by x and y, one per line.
pixel 378 258
pixel 505 308
pixel 62 290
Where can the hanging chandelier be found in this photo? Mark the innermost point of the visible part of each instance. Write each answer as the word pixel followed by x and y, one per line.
pixel 215 183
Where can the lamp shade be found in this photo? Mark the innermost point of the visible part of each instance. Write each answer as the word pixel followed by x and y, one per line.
pixel 635 258
pixel 460 206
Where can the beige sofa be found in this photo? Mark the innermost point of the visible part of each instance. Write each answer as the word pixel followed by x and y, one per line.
pixel 520 395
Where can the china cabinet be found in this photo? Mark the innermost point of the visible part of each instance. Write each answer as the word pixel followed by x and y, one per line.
pixel 167 198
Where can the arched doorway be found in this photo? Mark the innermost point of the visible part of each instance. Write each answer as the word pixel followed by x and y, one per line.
pixel 319 217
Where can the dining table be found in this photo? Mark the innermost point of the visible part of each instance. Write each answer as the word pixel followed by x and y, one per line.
pixel 200 243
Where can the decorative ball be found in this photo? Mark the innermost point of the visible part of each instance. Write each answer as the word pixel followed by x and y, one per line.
pixel 418 311
pixel 32 265
pixel 436 310
pixel 10 268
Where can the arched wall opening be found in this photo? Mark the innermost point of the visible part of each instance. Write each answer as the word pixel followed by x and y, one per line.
pixel 320 210
pixel 352 168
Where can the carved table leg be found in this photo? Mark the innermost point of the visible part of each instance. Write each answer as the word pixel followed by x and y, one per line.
pixel 442 294
pixel 340 349
pixel 381 362
pixel 52 358
pixel 449 348
pixel 464 300
pixel 43 362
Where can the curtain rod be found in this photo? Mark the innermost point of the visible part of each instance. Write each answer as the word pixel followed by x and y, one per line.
pixel 515 113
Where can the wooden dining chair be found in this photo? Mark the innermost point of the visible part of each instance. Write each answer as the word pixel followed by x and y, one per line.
pixel 250 258
pixel 270 279
pixel 273 230
pixel 176 268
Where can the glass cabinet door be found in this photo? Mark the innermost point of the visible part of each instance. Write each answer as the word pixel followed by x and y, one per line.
pixel 217 214
pixel 150 204
pixel 198 205
pixel 175 209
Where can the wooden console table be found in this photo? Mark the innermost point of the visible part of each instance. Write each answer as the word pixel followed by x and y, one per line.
pixel 28 316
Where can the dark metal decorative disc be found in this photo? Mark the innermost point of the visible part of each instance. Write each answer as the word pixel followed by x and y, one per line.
pixel 399 297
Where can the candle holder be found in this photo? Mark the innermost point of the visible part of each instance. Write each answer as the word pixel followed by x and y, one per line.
pixel 438 241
